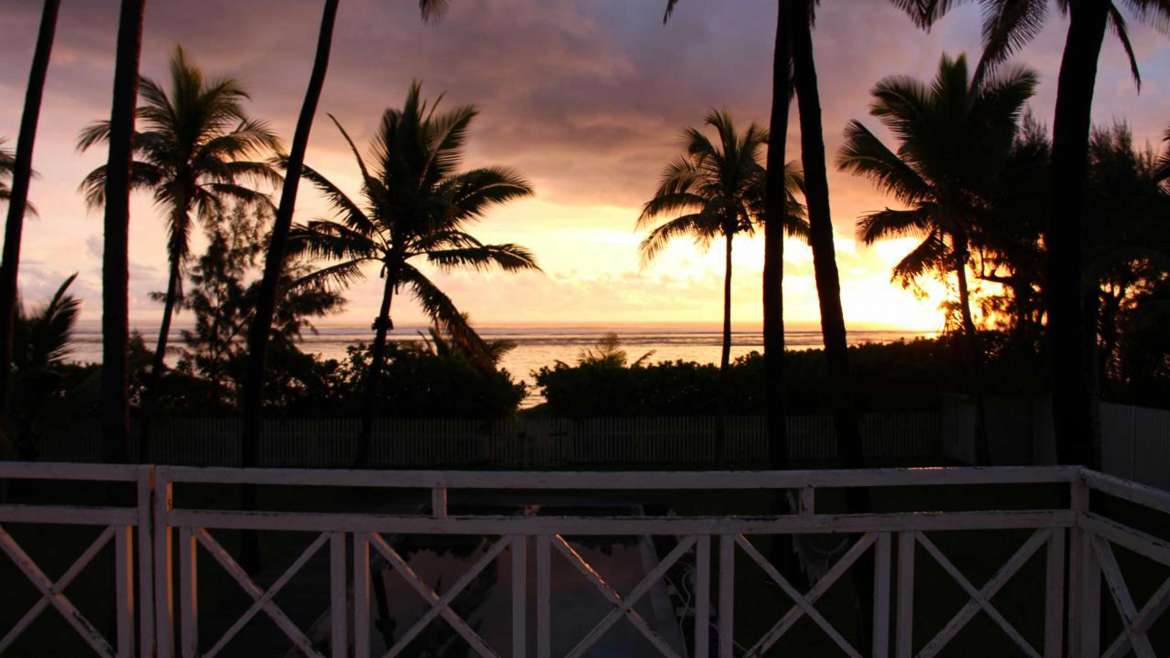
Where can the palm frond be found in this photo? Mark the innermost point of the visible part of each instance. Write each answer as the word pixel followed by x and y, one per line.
pixel 700 226
pixel 930 255
pixel 508 257
pixel 890 223
pixel 865 155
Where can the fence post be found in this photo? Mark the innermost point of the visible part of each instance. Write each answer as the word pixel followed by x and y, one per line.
pixel 907 544
pixel 1054 590
pixel 145 535
pixel 1084 603
pixel 164 613
pixel 361 595
pixel 338 608
pixel 881 595
pixel 189 589
pixel 124 589
pixel 543 594
pixel 519 596
pixel 726 596
pixel 703 597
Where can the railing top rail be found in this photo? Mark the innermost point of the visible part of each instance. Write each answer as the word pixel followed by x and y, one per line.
pixel 1134 492
pixel 626 480
pixel 18 470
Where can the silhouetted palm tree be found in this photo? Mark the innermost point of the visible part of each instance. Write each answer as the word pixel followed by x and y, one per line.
pixel 274 261
pixel 954 138
pixel 193 155
pixel 7 160
pixel 415 206
pixel 115 250
pixel 21 169
pixel 719 189
pixel 1008 25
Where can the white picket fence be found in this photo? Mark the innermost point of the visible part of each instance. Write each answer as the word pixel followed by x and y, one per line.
pixel 1083 532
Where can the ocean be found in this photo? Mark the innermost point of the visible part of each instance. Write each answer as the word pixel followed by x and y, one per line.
pixel 537 347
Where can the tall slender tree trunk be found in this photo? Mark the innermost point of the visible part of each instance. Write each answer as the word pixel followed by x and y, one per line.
pixel 973 357
pixel 18 199
pixel 382 326
pixel 725 354
pixel 1074 402
pixel 775 209
pixel 828 279
pixel 150 403
pixel 253 390
pixel 833 333
pixel 115 258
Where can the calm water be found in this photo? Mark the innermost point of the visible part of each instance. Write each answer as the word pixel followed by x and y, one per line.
pixel 543 346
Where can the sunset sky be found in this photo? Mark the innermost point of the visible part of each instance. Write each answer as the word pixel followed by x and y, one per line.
pixel 586 98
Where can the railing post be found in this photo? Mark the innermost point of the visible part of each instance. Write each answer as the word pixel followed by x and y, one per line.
pixel 145 552
pixel 519 596
pixel 881 595
pixel 164 612
pixel 338 608
pixel 361 595
pixel 124 590
pixel 189 588
pixel 1054 590
pixel 727 596
pixel 543 594
pixel 907 544
pixel 1084 603
pixel 439 502
pixel 703 597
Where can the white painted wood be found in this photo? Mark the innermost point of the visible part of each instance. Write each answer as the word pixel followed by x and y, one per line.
pixel 1132 491
pixel 622 606
pixel 1084 636
pixel 625 525
pixel 145 554
pixel 338 597
pixel 1149 614
pixel 727 596
pixel 1054 595
pixel 818 590
pixel 1139 542
pixel 19 470
pixel 881 596
pixel 262 599
pixel 907 547
pixel 981 598
pixel 799 599
pixel 52 592
pixel 1137 638
pixel 361 595
pixel 543 597
pixel 629 480
pixel 702 596
pixel 519 595
pixel 68 515
pixel 439 502
pixel 440 605
pixel 164 610
pixel 124 590
pixel 189 593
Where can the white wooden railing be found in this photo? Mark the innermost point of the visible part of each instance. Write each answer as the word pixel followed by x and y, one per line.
pixel 1082 533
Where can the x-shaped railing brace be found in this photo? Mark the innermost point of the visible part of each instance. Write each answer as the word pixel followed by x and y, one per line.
pixel 52 592
pixel 261 599
pixel 1136 623
pixel 623 607
pixel 981 598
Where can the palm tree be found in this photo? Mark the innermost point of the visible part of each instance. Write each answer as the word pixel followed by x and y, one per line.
pixel 115 251
pixel 1008 25
pixel 415 206
pixel 955 137
pixel 7 161
pixel 775 203
pixel 719 189
pixel 193 155
pixel 21 168
pixel 258 332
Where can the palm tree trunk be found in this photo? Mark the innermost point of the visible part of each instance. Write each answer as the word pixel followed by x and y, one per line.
pixel 775 208
pixel 115 257
pixel 725 355
pixel 253 389
pixel 274 262
pixel 974 357
pixel 821 240
pixel 1074 403
pixel 382 326
pixel 816 192
pixel 18 198
pixel 150 404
